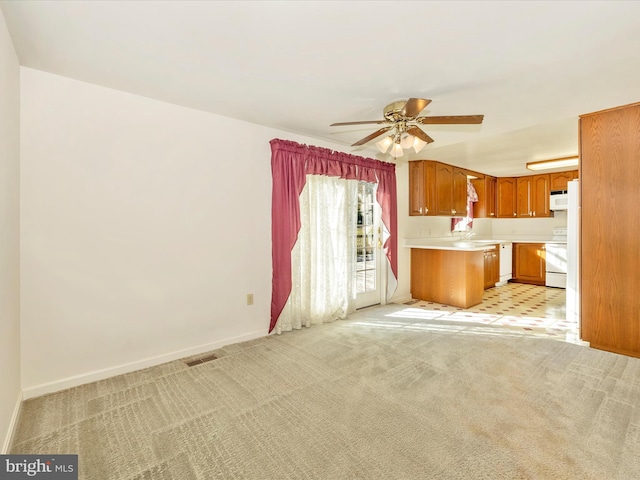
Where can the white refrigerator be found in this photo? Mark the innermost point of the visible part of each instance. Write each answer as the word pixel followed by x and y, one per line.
pixel 573 253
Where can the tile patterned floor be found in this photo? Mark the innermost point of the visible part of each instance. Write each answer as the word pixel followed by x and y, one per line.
pixel 517 307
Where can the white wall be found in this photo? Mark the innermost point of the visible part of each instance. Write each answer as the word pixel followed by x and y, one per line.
pixel 9 236
pixel 525 228
pixel 144 227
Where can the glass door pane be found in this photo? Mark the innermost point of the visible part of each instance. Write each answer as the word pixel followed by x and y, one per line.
pixel 367 242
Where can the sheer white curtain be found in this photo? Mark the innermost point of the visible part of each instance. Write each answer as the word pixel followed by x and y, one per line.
pixel 324 257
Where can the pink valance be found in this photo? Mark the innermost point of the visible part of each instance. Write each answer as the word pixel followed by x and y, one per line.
pixel 291 162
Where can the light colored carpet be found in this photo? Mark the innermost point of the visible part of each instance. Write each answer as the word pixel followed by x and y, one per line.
pixel 378 396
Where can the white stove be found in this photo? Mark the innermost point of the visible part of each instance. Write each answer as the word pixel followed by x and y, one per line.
pixel 556 259
pixel 559 234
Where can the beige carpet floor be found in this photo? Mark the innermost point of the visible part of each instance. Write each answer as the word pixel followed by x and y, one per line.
pixel 382 395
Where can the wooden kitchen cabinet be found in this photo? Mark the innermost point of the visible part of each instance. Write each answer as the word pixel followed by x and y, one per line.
pixel 541 194
pixel 506 197
pixel 422 188
pixel 560 180
pixel 529 264
pixel 610 229
pixel 532 196
pixel 485 207
pixel 491 266
pixel 451 277
pixel 451 190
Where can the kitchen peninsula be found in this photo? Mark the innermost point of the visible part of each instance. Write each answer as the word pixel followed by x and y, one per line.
pixel 448 272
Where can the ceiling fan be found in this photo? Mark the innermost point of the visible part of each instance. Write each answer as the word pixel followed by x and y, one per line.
pixel 402 120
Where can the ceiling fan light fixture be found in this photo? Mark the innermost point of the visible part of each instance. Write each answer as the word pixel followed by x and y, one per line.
pixel 418 144
pixel 407 140
pixel 384 144
pixel 396 150
pixel 554 163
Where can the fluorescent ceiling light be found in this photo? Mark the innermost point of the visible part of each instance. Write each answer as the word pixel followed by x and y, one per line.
pixel 554 163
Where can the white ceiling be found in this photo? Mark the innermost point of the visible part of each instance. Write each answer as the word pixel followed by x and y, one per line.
pixel 530 67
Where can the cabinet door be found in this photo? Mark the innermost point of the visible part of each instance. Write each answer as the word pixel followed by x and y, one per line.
pixel 540 193
pixel 459 192
pixel 524 207
pixel 429 188
pixel 506 197
pixel 487 269
pixel 485 207
pixel 559 180
pixel 491 268
pixel 416 188
pixel 529 263
pixel 490 185
pixel 422 180
pixel 444 187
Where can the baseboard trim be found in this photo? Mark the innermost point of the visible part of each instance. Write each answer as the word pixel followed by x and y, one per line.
pixel 12 426
pixel 400 299
pixel 96 375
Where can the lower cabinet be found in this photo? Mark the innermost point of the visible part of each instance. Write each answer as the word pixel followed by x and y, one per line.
pixel 529 264
pixel 491 266
pixel 451 277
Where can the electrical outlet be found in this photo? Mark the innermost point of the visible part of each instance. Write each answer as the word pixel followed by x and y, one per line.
pixel 249 298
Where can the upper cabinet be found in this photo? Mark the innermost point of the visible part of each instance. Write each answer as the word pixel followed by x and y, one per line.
pixel 451 190
pixel 506 197
pixel 532 194
pixel 560 180
pixel 437 189
pixel 485 207
pixel 422 188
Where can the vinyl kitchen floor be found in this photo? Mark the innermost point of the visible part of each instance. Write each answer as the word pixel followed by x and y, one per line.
pixel 514 308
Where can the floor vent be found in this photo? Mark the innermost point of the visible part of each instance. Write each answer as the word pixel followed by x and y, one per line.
pixel 198 361
pixel 411 302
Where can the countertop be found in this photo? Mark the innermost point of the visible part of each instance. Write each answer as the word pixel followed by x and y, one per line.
pixel 472 245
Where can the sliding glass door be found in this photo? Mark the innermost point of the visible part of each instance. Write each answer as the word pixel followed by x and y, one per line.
pixel 368 288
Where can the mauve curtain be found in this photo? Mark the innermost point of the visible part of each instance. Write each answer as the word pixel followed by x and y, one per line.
pixel 290 163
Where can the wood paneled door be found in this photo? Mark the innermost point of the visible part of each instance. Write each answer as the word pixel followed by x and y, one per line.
pixel 610 229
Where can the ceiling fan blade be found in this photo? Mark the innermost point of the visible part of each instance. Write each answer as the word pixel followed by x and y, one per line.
pixel 452 119
pixel 414 106
pixel 418 132
pixel 365 122
pixel 372 136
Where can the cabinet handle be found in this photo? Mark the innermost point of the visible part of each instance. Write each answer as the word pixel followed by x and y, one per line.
pixel 534 213
pixel 453 211
pixel 420 210
pixel 426 210
pixel 530 214
pixel 514 214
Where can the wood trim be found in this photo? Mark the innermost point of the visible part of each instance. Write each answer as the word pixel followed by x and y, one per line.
pixel 607 110
pixel 620 351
